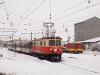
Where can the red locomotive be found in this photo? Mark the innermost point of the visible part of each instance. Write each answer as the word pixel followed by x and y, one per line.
pixel 74 47
pixel 48 48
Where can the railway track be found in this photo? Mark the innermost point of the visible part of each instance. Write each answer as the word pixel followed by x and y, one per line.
pixel 81 68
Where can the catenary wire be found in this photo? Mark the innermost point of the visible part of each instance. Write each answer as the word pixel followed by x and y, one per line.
pixel 75 12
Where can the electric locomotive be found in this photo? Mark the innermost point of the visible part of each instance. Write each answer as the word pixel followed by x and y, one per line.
pixel 74 47
pixel 48 48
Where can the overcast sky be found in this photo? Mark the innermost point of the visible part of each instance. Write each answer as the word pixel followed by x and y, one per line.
pixel 31 14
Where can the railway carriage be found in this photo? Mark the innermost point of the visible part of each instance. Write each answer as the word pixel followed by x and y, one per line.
pixel 21 47
pixel 74 47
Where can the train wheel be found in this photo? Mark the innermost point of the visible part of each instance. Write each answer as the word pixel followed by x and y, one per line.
pixel 78 52
pixel 72 52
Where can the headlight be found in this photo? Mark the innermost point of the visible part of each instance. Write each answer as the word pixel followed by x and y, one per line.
pixel 50 49
pixel 60 49
pixel 55 50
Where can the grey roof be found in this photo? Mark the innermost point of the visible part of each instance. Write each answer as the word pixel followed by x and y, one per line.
pixel 90 19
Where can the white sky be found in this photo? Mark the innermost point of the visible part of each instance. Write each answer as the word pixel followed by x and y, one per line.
pixel 30 13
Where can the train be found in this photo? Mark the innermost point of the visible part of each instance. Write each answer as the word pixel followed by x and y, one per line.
pixel 48 48
pixel 21 47
pixel 74 47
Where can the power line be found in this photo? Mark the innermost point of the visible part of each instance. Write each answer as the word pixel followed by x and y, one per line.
pixel 50 9
pixel 36 8
pixel 30 6
pixel 70 8
pixel 4 35
pixel 23 19
pixel 65 9
pixel 7 10
pixel 75 12
pixel 76 21
pixel 8 31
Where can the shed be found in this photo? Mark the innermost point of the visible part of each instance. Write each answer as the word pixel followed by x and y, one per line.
pixel 90 43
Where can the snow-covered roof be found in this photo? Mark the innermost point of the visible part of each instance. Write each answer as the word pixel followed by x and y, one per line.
pixel 97 39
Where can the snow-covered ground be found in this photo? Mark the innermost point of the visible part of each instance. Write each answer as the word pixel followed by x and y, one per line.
pixel 13 63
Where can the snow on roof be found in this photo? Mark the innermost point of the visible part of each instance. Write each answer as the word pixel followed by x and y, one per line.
pixel 93 40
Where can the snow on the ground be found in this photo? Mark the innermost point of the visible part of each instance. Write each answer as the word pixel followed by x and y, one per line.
pixel 87 60
pixel 13 63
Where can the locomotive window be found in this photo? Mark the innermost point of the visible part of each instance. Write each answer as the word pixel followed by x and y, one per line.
pixel 51 42
pixel 44 43
pixel 41 43
pixel 34 43
pixel 58 43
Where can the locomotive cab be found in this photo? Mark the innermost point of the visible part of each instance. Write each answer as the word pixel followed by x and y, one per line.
pixel 49 47
pixel 55 45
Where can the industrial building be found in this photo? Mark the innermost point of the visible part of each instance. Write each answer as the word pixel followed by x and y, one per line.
pixel 87 29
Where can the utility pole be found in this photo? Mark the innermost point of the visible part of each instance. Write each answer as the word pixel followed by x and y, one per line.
pixel 68 37
pixel 31 37
pixel 89 1
pixel 12 38
pixel 2 2
pixel 31 34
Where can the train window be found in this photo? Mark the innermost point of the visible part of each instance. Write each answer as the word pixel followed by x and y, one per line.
pixel 24 46
pixel 58 42
pixel 34 43
pixel 41 43
pixel 30 44
pixel 73 45
pixel 44 43
pixel 20 44
pixel 51 42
